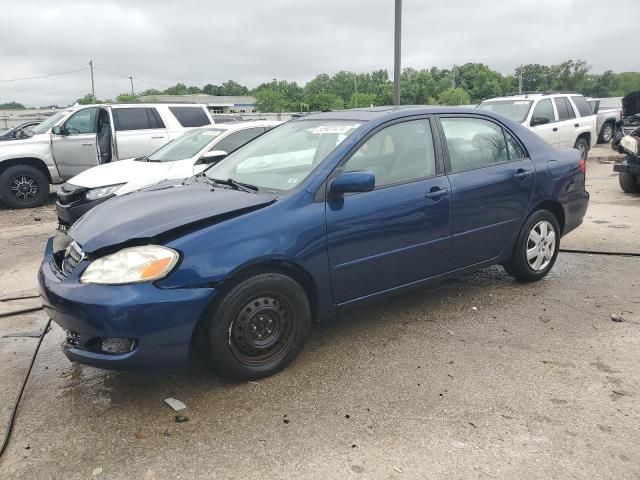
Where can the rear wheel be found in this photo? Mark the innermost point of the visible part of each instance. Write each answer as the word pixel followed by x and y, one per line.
pixel 259 327
pixel 23 186
pixel 583 147
pixel 536 248
pixel 629 182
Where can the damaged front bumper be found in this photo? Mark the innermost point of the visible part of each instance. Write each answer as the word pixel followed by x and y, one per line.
pixel 121 327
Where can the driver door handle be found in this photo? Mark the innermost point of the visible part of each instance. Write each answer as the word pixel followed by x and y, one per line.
pixel 87 144
pixel 157 136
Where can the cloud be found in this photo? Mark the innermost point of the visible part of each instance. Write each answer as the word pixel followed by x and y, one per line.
pixel 198 42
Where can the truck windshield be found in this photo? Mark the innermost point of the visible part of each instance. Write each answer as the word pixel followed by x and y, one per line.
pixel 516 110
pixel 186 146
pixel 282 158
pixel 46 125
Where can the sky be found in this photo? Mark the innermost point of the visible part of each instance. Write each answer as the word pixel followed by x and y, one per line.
pixel 252 41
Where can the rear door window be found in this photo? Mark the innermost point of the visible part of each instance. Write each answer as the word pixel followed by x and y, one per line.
pixel 473 143
pixel 142 118
pixel 565 109
pixel 584 109
pixel 544 109
pixel 190 116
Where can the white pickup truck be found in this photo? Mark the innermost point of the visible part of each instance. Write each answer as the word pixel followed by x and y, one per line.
pixel 564 120
pixel 81 137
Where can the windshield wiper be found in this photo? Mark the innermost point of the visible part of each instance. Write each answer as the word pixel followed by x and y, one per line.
pixel 245 187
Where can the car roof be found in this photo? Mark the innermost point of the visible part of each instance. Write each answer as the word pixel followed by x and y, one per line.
pixel 373 113
pixel 531 96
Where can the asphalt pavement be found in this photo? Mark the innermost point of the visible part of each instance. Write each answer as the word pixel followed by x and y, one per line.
pixel 478 377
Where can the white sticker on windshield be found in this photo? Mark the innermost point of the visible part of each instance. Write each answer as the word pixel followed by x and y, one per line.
pixel 521 102
pixel 322 129
pixel 292 180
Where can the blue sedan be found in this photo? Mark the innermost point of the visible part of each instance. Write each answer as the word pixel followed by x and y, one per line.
pixel 318 214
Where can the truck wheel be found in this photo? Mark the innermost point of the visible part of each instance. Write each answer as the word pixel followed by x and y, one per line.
pixel 629 182
pixel 607 133
pixel 583 147
pixel 23 186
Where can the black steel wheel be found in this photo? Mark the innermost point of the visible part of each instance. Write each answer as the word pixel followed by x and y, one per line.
pixel 259 326
pixel 23 186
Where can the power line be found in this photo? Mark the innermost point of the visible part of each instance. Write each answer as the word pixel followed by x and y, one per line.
pixel 130 77
pixel 43 76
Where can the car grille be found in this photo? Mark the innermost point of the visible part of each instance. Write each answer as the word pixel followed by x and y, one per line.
pixel 73 255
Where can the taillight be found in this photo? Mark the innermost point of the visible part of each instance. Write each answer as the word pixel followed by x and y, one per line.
pixel 582 165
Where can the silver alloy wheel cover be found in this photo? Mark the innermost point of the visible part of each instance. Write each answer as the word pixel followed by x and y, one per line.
pixel 583 150
pixel 541 245
pixel 607 133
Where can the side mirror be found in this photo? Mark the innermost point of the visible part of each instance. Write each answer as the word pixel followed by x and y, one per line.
pixel 539 121
pixel 213 156
pixel 351 182
pixel 58 130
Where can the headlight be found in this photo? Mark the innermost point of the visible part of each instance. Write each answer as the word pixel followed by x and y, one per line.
pixel 131 265
pixel 99 192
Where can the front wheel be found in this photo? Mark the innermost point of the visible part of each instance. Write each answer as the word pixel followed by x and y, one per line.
pixel 583 147
pixel 259 327
pixel 607 133
pixel 536 248
pixel 23 186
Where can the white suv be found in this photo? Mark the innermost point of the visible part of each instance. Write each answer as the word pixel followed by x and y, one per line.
pixel 81 137
pixel 564 120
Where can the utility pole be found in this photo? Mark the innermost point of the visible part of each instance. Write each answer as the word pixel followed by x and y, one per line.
pixel 93 88
pixel 355 87
pixel 453 77
pixel 132 94
pixel 396 53
pixel 520 81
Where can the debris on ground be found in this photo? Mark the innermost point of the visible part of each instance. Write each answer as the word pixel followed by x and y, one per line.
pixel 181 419
pixel 97 471
pixel 139 435
pixel 617 317
pixel 176 404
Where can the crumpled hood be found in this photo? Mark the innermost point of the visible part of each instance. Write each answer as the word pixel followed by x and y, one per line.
pixel 631 104
pixel 159 209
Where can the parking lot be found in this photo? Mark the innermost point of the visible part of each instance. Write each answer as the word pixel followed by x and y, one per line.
pixel 479 377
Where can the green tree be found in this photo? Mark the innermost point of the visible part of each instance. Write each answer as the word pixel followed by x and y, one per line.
pixel 359 100
pixel 11 106
pixel 89 100
pixel 233 88
pixel 268 100
pixel 454 96
pixel 324 101
pixel 126 98
pixel 177 89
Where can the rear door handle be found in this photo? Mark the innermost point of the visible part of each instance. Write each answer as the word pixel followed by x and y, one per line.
pixel 555 129
pixel 437 193
pixel 87 144
pixel 157 136
pixel 576 124
pixel 522 174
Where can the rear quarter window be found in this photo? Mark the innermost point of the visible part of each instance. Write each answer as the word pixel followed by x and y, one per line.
pixel 136 119
pixel 190 116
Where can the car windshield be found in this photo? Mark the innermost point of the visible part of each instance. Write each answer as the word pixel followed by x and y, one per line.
pixel 516 110
pixel 186 146
pixel 282 158
pixel 45 126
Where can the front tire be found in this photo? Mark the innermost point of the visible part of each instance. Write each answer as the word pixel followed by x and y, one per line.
pixel 629 183
pixel 259 327
pixel 583 147
pixel 23 186
pixel 536 248
pixel 607 133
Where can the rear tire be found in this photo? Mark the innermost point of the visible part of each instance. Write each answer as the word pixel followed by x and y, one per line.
pixel 583 147
pixel 23 186
pixel 536 248
pixel 629 182
pixel 259 327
